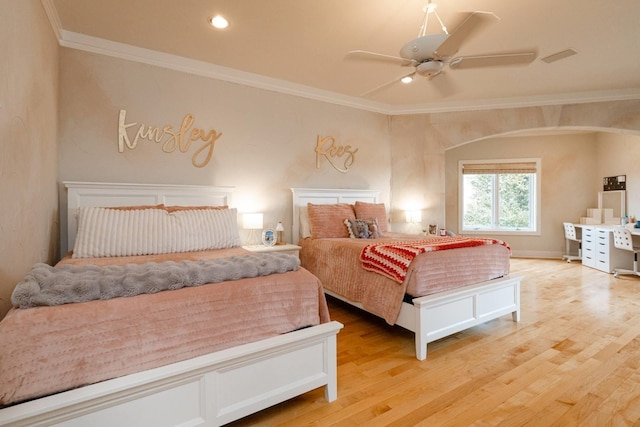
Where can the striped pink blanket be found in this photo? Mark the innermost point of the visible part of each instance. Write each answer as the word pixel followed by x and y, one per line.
pixel 393 259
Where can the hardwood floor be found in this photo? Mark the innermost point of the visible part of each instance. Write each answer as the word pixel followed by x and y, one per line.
pixel 573 359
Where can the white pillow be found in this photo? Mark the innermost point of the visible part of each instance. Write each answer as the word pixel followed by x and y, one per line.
pixel 104 232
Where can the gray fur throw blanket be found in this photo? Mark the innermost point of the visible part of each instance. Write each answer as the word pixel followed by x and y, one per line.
pixel 45 285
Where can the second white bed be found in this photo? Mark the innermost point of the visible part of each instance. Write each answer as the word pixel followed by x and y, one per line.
pixel 430 317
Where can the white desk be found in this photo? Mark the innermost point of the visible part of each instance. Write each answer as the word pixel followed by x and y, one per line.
pixel 598 250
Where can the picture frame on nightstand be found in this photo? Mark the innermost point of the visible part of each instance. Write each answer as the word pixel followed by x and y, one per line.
pixel 269 237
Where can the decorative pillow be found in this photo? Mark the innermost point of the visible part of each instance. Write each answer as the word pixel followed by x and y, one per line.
pixel 372 210
pixel 374 228
pixel 327 221
pixel 358 229
pixel 106 232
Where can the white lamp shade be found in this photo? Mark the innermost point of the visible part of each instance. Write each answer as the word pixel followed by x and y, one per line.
pixel 413 216
pixel 252 221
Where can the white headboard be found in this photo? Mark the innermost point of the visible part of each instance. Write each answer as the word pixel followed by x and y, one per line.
pixel 80 194
pixel 325 196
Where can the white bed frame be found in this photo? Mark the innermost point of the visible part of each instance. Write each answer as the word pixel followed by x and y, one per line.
pixel 434 316
pixel 210 390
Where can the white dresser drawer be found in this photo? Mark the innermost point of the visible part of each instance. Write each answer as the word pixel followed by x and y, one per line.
pixel 603 264
pixel 588 233
pixel 588 257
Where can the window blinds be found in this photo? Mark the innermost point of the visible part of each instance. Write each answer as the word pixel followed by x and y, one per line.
pixel 497 167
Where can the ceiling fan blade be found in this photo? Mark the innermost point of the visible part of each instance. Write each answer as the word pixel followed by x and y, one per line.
pixel 473 22
pixel 464 62
pixel 387 84
pixel 382 57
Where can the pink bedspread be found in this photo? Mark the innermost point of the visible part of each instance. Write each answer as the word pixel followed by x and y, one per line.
pixel 336 262
pixel 393 259
pixel 44 350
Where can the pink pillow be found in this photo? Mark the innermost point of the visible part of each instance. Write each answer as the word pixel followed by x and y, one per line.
pixel 372 210
pixel 327 221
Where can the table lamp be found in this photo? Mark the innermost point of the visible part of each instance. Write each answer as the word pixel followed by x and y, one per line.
pixel 280 230
pixel 252 222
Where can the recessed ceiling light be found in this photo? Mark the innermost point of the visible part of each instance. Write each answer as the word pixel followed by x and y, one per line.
pixel 406 79
pixel 219 22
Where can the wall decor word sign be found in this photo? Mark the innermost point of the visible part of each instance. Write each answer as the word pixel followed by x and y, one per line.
pixel 326 147
pixel 169 138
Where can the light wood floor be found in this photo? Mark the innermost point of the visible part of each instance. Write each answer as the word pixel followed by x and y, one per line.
pixel 573 359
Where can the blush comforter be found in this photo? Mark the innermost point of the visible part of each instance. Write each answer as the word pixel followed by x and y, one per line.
pixel 336 262
pixel 44 350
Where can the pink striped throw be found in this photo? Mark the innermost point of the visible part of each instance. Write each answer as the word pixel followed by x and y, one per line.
pixel 393 259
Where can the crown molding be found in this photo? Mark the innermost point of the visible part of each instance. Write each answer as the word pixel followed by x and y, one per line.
pixel 105 47
pixel 524 102
pixel 178 63
pixel 54 18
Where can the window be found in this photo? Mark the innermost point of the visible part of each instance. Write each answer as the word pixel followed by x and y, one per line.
pixel 499 196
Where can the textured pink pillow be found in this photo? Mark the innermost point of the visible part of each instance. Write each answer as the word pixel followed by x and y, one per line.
pixel 326 221
pixel 372 210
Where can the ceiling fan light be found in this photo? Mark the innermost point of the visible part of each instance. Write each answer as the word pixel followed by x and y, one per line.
pixel 429 68
pixel 406 79
pixel 219 22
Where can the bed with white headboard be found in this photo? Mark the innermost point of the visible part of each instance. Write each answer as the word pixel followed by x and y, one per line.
pixel 211 389
pixel 430 317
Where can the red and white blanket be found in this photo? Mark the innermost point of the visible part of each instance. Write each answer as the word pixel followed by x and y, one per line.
pixel 393 259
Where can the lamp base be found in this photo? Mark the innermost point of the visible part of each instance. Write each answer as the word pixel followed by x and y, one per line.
pixel 253 239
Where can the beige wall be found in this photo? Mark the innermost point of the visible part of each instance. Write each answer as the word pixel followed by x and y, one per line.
pixel 420 144
pixel 267 144
pixel 417 170
pixel 567 162
pixel 29 159
pixel 619 154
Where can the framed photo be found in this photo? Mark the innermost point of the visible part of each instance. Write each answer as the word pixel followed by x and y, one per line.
pixel 269 237
pixel 433 229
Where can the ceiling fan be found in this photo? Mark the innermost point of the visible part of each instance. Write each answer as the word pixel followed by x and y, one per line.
pixel 428 53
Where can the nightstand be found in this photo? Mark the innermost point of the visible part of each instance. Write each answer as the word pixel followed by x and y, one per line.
pixel 286 248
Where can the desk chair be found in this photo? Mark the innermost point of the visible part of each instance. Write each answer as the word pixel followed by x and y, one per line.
pixel 622 239
pixel 570 235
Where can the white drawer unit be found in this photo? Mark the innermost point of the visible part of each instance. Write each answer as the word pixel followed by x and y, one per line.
pixel 589 247
pixel 604 249
pixel 599 252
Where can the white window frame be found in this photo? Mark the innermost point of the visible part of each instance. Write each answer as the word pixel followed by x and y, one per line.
pixel 495 231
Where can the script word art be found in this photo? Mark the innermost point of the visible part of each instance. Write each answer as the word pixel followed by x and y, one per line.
pixel 326 147
pixel 170 138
